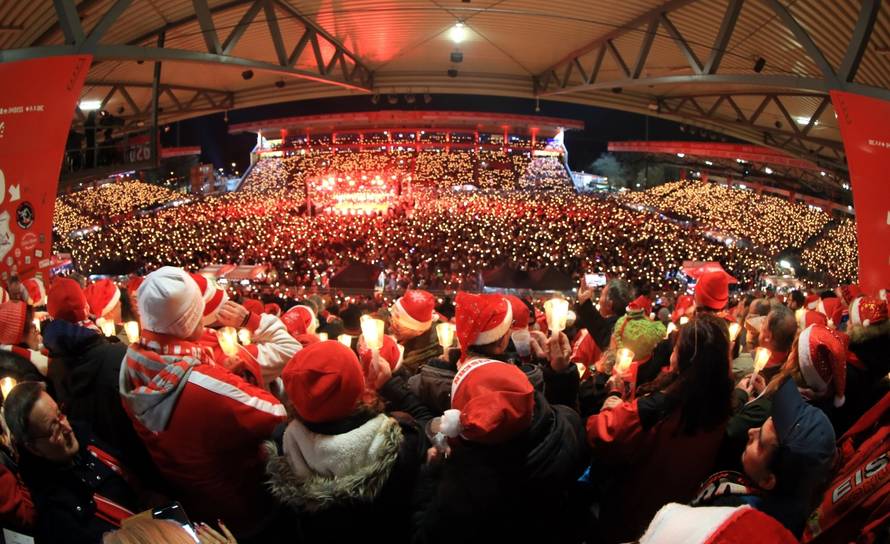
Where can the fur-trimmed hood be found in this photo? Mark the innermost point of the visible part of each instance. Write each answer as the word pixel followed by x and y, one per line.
pixel 319 471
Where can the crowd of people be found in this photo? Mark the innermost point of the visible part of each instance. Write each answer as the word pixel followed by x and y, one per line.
pixel 164 408
pixel 835 253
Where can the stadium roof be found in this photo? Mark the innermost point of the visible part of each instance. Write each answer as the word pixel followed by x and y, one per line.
pixel 758 70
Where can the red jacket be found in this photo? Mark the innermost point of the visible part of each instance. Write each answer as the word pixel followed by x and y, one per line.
pixel 205 436
pixel 16 508
pixel 658 463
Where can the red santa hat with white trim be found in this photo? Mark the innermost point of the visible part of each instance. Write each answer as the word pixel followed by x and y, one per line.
pixel 848 293
pixel 298 320
pixel 491 402
pixel 822 357
pixel 414 310
pixel 213 296
pixel 480 319
pixel 102 297
pixel 812 301
pixel 681 524
pixel 389 352
pixel 35 292
pixel 867 311
pixel 833 309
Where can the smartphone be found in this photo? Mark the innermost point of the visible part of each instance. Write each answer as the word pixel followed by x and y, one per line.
pixel 595 280
pixel 176 513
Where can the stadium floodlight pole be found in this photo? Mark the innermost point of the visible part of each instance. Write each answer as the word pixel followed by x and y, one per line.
pixel 155 94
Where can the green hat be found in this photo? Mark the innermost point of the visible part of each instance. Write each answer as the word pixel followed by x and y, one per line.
pixel 638 334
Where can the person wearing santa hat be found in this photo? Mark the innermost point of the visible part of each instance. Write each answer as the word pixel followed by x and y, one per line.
pixel 641 336
pixel 413 322
pixel 502 461
pixel 714 525
pixel 679 425
pixel 712 291
pixel 833 308
pixel 272 309
pixel 104 300
pixel 19 334
pixel 346 468
pixel 34 292
pixel 194 416
pixel 869 330
pixel 84 374
pixel 301 323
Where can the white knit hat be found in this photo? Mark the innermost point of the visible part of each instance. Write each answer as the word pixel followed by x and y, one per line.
pixel 170 302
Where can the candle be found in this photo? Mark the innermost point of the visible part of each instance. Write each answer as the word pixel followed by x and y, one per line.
pixel 244 336
pixel 684 320
pixel 800 316
pixel 106 326
pixel 228 340
pixel 36 324
pixel 445 332
pixel 580 369
pixel 6 385
pixel 346 340
pixel 372 332
pixel 556 310
pixel 132 330
pixel 323 336
pixel 734 330
pixel 671 328
pixel 761 356
pixel 623 358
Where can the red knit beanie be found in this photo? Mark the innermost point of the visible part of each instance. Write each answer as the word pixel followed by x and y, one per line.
pixel 66 301
pixel 712 289
pixel 324 381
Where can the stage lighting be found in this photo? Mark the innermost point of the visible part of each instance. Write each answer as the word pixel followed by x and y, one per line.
pixel 247 74
pixel 452 72
pixel 457 57
pixel 458 33
pixel 90 105
pixel 279 84
pixel 759 64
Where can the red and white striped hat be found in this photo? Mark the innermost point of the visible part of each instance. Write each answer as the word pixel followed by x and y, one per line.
pixel 414 310
pixel 35 292
pixel 491 402
pixel 102 297
pixel 213 296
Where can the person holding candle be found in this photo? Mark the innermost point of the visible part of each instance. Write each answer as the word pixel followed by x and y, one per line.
pixel 777 334
pixel 194 416
pixel 84 374
pixel 680 425
pixel 412 321
pixel 104 299
pixel 345 467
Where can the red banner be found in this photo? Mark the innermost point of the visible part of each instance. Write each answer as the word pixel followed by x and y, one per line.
pixel 35 117
pixel 866 134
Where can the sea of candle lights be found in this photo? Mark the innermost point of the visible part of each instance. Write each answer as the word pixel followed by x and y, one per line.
pixel 441 239
pixel 835 254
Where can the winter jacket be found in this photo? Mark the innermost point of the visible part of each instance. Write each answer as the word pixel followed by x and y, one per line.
pixel 513 492
pixel 599 327
pixel 350 480
pixel 648 461
pixel 421 349
pixel 204 428
pixel 78 503
pixel 16 507
pixel 84 375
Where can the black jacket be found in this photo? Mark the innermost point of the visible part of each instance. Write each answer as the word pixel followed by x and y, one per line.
pixel 64 495
pixel 599 327
pixel 513 492
pixel 84 372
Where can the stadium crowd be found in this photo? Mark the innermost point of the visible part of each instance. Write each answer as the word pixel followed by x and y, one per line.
pixel 692 418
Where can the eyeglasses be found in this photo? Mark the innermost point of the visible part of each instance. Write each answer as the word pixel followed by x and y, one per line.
pixel 55 427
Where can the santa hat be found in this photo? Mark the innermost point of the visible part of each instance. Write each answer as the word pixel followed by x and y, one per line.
pixel 812 301
pixel 12 322
pixel 833 309
pixel 865 311
pixel 4 296
pixel 102 297
pixel 170 302
pixel 684 302
pixel 585 350
pixel 822 356
pixel 491 402
pixel 389 352
pixel 848 293
pixel 643 303
pixel 638 334
pixel 66 301
pixel 812 317
pixel 521 313
pixel 324 382
pixel 35 292
pixel 414 310
pixel 253 305
pixel 480 319
pixel 298 319
pixel 712 289
pixel 680 524
pixel 272 309
pixel 213 296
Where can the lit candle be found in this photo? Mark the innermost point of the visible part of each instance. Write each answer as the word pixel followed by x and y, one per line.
pixel 6 385
pixel 228 340
pixel 556 310
pixel 623 358
pixel 580 369
pixel 684 320
pixel 323 336
pixel 445 332
pixel 132 330
pixel 734 330
pixel 346 340
pixel 761 356
pixel 800 315
pixel 106 326
pixel 244 336
pixel 372 332
pixel 670 328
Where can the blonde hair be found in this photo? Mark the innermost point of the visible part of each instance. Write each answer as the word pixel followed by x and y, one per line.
pixel 148 531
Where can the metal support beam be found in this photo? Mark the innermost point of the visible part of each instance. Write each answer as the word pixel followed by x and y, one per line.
pixel 242 25
pixel 155 95
pixel 730 18
pixel 678 38
pixel 804 39
pixel 69 21
pixel 208 30
pixel 868 14
pixel 104 24
pixel 275 31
